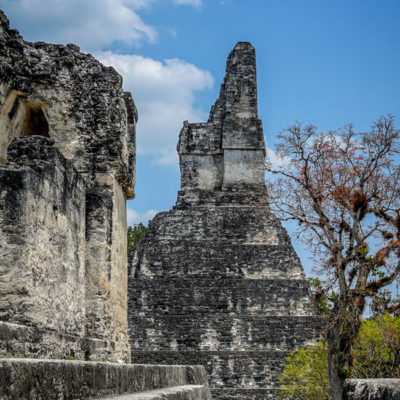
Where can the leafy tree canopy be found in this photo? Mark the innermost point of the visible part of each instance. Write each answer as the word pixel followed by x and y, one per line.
pixel 342 189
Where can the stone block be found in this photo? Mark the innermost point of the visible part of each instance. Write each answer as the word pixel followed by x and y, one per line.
pixel 55 379
pixel 42 238
pixel 371 389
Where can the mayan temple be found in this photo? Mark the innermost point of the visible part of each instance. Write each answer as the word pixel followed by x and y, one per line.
pixel 216 280
pixel 214 297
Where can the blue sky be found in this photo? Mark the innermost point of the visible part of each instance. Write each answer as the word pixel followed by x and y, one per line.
pixel 324 62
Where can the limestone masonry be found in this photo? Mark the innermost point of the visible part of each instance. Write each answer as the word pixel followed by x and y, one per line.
pixel 67 166
pixel 216 280
pixel 67 380
pixel 371 389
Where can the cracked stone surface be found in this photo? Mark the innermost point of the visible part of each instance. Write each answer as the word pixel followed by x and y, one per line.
pixel 67 167
pixel 372 389
pixel 65 379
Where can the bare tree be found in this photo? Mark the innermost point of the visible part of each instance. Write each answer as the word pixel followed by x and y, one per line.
pixel 342 189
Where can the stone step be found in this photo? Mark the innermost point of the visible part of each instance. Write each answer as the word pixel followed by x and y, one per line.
pixel 185 392
pixel 240 394
pixel 248 371
pixel 36 379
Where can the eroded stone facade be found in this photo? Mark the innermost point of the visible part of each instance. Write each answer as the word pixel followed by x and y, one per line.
pixel 371 389
pixel 67 167
pixel 42 213
pixel 77 380
pixel 216 280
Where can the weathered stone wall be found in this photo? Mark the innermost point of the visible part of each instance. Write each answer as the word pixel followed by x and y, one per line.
pixel 216 280
pixel 58 92
pixel 42 251
pixel 106 263
pixel 372 389
pixel 42 238
pixel 90 118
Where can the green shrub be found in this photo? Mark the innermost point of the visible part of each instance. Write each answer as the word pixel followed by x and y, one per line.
pixel 305 376
pixel 376 354
pixel 377 348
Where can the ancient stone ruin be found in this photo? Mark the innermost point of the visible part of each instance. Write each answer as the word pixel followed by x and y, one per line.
pixel 216 280
pixel 67 145
pixel 371 389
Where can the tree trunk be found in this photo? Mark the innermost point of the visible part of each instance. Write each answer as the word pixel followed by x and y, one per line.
pixel 343 330
pixel 334 379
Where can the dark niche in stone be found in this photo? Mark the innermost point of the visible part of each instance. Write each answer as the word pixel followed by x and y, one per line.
pixel 216 280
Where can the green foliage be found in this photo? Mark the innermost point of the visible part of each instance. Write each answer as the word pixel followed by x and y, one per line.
pixel 376 354
pixel 377 348
pixel 135 235
pixel 305 376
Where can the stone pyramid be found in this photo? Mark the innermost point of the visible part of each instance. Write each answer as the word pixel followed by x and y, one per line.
pixel 216 280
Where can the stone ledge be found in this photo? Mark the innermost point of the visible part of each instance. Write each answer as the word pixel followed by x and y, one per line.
pixel 30 342
pixel 187 392
pixel 371 389
pixel 50 379
pixel 260 369
pixel 240 394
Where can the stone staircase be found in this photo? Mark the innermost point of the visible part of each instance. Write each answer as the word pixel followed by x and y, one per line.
pixel 36 379
pixel 184 392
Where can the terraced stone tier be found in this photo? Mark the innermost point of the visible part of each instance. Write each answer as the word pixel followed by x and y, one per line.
pixel 221 332
pixel 222 241
pixel 202 295
pixel 226 369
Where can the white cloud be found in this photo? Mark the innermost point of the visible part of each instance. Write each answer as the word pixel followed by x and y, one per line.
pixel 92 24
pixel 163 91
pixel 275 160
pixel 167 157
pixel 134 217
pixel 164 95
pixel 194 3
